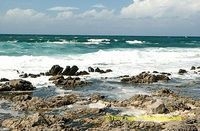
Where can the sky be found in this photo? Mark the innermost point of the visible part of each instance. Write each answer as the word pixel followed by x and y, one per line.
pixel 101 17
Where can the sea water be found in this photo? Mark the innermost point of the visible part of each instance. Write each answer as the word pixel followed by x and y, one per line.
pixel 125 55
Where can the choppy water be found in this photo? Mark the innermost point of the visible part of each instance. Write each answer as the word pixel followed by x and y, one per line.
pixel 125 55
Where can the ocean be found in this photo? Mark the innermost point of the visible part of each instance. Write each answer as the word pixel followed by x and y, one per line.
pixel 125 55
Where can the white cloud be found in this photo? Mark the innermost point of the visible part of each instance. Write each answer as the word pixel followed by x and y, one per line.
pixel 18 13
pixel 62 8
pixel 100 6
pixel 102 14
pixel 161 9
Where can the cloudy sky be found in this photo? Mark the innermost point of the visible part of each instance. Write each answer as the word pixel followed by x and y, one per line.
pixel 115 17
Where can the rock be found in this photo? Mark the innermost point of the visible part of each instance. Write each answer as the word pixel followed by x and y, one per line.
pixel 17 85
pixel 66 71
pixel 34 75
pixel 193 68
pixel 4 79
pixel 159 108
pixel 181 127
pixel 108 70
pixel 165 92
pixel 24 75
pixel 182 71
pixel 56 77
pixel 55 70
pixel 70 82
pixel 73 71
pixel 90 69
pixel 97 69
pixel 176 106
pixel 82 73
pixel 145 78
pixel 155 72
pixel 198 67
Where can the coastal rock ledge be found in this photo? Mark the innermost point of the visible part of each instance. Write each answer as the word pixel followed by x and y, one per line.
pixel 17 85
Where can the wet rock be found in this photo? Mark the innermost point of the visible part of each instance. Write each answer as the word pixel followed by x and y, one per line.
pixel 99 70
pixel 96 97
pixel 56 77
pixel 4 79
pixel 198 67
pixel 164 93
pixel 34 75
pixel 193 68
pixel 82 73
pixel 66 71
pixel 155 72
pixel 17 85
pixel 182 71
pixel 23 75
pixel 55 70
pixel 70 82
pixel 145 78
pixel 108 70
pixel 90 69
pixel 73 71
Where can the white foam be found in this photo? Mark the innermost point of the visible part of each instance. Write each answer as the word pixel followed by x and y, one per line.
pixel 135 42
pixel 62 41
pixel 97 41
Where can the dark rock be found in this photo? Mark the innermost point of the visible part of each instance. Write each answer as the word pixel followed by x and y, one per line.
pixel 70 82
pixel 34 75
pixel 193 68
pixel 165 73
pixel 4 79
pixel 198 67
pixel 90 69
pixel 82 73
pixel 175 106
pixel 97 69
pixel 24 75
pixel 55 70
pixel 108 70
pixel 155 72
pixel 56 77
pixel 73 71
pixel 66 71
pixel 17 85
pixel 41 73
pixel 182 71
pixel 145 78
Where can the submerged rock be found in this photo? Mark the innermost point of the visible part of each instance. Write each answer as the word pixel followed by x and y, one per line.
pixel 17 85
pixel 193 68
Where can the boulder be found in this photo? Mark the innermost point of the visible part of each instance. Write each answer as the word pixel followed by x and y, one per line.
pixel 55 70
pixel 193 68
pixel 90 69
pixel 73 70
pixel 66 71
pixel 34 75
pixel 159 108
pixel 182 71
pixel 17 85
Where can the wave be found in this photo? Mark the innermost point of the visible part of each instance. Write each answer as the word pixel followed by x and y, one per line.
pixel 135 42
pixel 63 42
pixel 97 41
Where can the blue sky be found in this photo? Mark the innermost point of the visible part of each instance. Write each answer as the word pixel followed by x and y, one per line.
pixel 112 17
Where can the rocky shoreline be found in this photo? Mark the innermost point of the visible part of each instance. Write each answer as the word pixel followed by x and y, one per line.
pixel 163 109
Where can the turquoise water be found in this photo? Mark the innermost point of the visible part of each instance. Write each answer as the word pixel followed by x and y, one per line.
pixel 48 45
